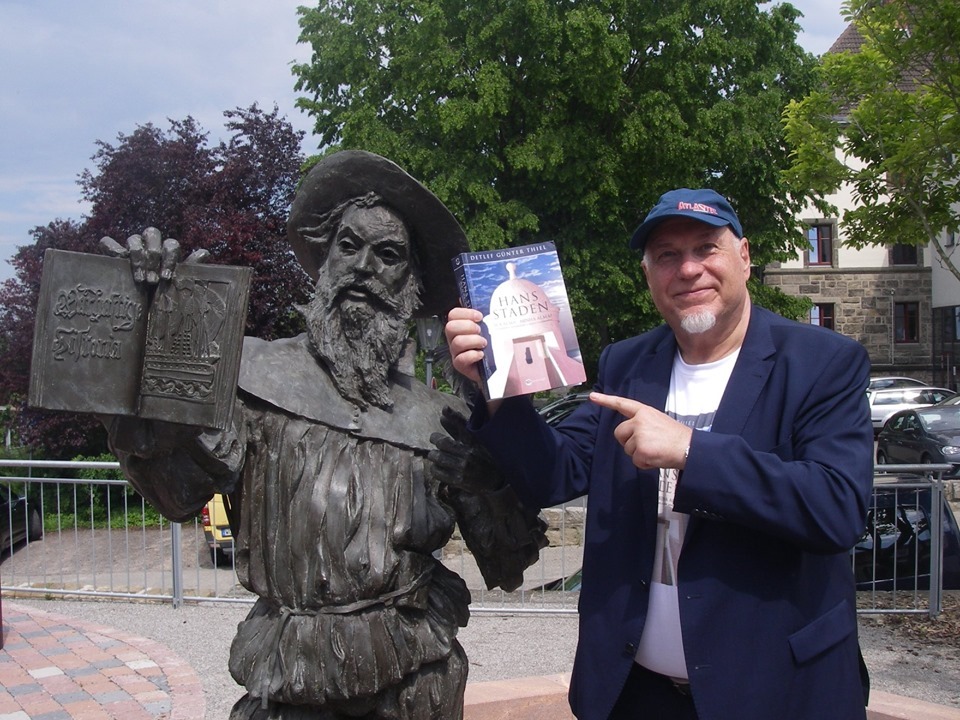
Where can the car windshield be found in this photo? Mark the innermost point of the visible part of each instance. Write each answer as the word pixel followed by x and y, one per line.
pixel 940 418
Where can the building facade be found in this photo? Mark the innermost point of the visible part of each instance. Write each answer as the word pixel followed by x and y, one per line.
pixel 882 297
pixel 899 300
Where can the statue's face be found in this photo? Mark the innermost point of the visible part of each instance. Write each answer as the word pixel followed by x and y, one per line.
pixel 365 294
pixel 372 246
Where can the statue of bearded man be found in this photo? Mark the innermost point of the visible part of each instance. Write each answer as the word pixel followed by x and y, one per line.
pixel 344 473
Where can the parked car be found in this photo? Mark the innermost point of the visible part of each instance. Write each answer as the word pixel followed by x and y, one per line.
pixel 953 400
pixel 894 381
pixel 571 583
pixel 894 551
pixel 924 435
pixel 885 402
pixel 20 520
pixel 216 529
pixel 557 410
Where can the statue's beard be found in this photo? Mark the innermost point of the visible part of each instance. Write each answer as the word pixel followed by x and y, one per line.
pixel 698 322
pixel 360 340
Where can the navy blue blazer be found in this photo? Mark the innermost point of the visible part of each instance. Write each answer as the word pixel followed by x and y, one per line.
pixel 777 493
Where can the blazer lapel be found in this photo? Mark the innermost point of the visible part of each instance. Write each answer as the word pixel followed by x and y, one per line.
pixel 652 386
pixel 749 377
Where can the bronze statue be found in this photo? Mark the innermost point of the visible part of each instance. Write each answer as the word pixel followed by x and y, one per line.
pixel 345 474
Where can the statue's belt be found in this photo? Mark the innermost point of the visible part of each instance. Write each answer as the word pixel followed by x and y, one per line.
pixel 386 600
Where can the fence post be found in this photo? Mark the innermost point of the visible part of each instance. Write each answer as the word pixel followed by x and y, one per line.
pixel 936 544
pixel 177 559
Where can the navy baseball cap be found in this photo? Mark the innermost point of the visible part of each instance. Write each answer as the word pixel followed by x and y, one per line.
pixel 707 206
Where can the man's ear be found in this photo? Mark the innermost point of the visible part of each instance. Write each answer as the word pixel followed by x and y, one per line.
pixel 745 255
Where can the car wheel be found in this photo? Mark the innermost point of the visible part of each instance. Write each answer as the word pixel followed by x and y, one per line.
pixel 219 558
pixel 881 457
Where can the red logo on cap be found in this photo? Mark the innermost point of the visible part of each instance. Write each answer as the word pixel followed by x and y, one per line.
pixel 696 207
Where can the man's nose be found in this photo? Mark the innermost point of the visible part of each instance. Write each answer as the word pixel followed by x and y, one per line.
pixel 365 261
pixel 690 265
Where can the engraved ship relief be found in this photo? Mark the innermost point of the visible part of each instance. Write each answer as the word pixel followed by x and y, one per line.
pixel 182 349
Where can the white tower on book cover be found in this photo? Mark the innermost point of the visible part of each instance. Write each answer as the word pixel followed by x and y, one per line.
pixel 528 346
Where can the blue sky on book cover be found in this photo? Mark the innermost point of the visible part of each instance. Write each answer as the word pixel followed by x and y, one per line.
pixel 541 268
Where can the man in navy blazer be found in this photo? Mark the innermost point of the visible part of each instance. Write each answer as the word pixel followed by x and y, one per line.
pixel 727 457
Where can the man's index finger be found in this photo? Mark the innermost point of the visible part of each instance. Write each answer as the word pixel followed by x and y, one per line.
pixel 625 406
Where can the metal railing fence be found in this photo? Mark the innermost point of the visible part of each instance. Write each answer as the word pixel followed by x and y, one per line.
pixel 100 539
pixel 898 563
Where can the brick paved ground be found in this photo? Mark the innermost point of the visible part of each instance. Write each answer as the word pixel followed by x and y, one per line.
pixel 53 667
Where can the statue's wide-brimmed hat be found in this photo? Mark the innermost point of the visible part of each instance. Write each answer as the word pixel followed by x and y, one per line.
pixel 436 235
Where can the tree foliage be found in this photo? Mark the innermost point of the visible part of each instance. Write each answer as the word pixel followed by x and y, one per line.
pixel 546 119
pixel 885 122
pixel 231 199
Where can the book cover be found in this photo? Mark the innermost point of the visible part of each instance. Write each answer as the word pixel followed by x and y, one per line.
pixel 102 344
pixel 532 343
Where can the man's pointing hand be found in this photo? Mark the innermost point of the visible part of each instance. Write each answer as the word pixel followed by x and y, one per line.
pixel 650 437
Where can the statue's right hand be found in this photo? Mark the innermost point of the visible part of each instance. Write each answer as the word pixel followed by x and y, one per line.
pixel 146 438
pixel 151 257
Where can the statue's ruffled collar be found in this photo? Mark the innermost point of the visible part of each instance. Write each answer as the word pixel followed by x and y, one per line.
pixel 286 374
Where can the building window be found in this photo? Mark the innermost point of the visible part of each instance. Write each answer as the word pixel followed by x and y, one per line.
pixel 906 322
pixel 903 254
pixel 822 314
pixel 820 238
pixel 950 238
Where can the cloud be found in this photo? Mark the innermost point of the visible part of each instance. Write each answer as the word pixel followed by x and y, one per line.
pixel 822 24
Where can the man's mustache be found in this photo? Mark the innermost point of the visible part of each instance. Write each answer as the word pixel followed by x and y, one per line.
pixel 368 286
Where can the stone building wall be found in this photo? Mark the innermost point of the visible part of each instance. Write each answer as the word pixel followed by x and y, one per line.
pixel 863 306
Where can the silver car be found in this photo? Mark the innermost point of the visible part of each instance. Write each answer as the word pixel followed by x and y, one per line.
pixel 887 401
pixel 894 381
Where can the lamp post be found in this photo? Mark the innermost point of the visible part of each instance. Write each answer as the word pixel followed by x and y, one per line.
pixel 429 332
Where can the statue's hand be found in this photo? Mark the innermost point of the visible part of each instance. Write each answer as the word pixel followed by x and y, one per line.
pixel 137 437
pixel 152 259
pixel 459 460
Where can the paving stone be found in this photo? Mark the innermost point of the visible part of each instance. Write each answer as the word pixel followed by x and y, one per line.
pixel 59 668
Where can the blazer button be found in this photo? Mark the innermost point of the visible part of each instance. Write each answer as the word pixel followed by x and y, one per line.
pixel 630 649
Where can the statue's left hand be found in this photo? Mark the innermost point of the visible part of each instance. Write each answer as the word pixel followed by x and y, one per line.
pixel 503 535
pixel 459 460
pixel 151 257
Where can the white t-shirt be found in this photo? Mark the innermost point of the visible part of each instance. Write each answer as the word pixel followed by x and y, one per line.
pixel 695 393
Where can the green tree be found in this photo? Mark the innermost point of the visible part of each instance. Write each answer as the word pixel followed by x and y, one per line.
pixel 547 119
pixel 231 199
pixel 884 121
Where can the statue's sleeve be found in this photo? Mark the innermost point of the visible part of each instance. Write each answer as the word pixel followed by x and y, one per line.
pixel 504 537
pixel 177 468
